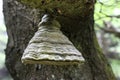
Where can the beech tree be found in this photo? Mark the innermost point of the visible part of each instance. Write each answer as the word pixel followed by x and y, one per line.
pixel 77 21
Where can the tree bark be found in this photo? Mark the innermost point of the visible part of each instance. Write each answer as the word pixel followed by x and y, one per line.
pixel 21 22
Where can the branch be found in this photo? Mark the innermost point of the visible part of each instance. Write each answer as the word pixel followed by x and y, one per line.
pixel 110 30
pixel 116 16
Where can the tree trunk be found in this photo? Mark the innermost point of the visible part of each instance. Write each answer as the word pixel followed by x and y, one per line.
pixel 20 22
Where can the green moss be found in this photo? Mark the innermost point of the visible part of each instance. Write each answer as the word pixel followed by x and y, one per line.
pixel 97 45
pixel 64 7
pixel 107 68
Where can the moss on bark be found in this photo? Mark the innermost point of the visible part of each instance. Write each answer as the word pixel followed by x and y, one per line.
pixel 59 7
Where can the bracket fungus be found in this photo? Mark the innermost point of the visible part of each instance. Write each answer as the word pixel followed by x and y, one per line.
pixel 50 46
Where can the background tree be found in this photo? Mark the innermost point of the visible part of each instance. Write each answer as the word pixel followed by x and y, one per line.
pixel 107 14
pixel 78 26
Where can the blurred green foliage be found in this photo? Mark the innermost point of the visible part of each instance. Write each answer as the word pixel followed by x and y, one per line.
pixel 109 11
pixel 116 66
pixel 106 8
pixel 3 41
pixel 2 59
